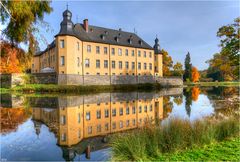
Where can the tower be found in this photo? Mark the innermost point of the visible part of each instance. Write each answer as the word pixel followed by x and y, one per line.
pixel 158 59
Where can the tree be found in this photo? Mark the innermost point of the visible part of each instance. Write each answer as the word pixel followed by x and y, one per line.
pixel 188 68
pixel 188 100
pixel 195 93
pixel 224 66
pixel 12 58
pixel 178 69
pixel 167 63
pixel 22 20
pixel 220 68
pixel 230 42
pixel 195 75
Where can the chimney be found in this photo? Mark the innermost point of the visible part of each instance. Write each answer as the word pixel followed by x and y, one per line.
pixel 85 24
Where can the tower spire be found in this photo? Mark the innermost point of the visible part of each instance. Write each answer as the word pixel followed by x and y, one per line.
pixel 67 5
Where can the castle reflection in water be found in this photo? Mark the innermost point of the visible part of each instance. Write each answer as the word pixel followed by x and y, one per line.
pixel 74 118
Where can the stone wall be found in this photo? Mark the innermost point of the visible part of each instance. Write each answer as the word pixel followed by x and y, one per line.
pixel 9 80
pixel 12 80
pixel 43 78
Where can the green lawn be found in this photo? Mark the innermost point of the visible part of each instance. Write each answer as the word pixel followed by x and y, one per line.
pixel 212 84
pixel 53 88
pixel 228 150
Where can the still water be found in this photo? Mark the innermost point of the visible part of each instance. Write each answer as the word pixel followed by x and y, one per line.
pixel 78 127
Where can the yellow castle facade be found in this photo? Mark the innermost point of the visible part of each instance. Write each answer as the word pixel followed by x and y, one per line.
pixel 72 124
pixel 83 49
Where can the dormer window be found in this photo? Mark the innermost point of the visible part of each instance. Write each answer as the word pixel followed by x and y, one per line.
pixel 140 42
pixel 119 35
pixel 103 37
pixel 117 39
pixel 106 32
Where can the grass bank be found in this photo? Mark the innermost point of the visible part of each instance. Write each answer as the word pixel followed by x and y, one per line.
pixel 212 84
pixel 162 141
pixel 227 150
pixel 53 88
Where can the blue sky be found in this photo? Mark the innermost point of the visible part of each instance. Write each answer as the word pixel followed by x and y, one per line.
pixel 180 26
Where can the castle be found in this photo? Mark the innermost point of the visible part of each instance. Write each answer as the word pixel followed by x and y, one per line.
pixel 86 50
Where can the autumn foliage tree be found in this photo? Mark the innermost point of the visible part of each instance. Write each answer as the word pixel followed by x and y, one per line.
pixel 195 75
pixel 12 59
pixel 167 63
pixel 195 93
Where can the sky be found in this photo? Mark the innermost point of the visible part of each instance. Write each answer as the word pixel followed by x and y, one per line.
pixel 181 26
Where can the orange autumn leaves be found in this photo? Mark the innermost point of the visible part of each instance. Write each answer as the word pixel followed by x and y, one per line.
pixel 10 61
pixel 195 74
pixel 195 93
pixel 11 118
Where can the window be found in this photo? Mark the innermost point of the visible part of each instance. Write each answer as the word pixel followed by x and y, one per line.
pixel 105 50
pixel 79 134
pixel 121 111
pixel 97 49
pixel 79 117
pixel 121 124
pixel 133 65
pixel 88 48
pixel 97 63
pixel 90 130
pixel 32 66
pixel 105 63
pixel 78 61
pixel 150 109
pixel 78 46
pixel 113 64
pixel 127 110
pixel 106 113
pixel 139 65
pixel 127 123
pixel 140 109
pixel 126 65
pixel 63 137
pixel 113 51
pixel 144 54
pixel 132 52
pixel 139 53
pixel 99 128
pixel 88 116
pixel 98 114
pixel 87 63
pixel 61 43
pixel 133 122
pixel 145 66
pixel 62 60
pixel 150 54
pixel 63 119
pixel 126 52
pixel 114 125
pixel 120 64
pixel 114 112
pixel 106 126
pixel 119 51
pixel 133 110
pixel 145 108
pixel 150 66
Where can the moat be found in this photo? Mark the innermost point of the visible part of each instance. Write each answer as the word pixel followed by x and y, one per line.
pixel 59 128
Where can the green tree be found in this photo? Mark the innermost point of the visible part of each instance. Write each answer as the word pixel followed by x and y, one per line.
pixel 167 63
pixel 22 19
pixel 188 68
pixel 178 69
pixel 230 41
pixel 224 66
